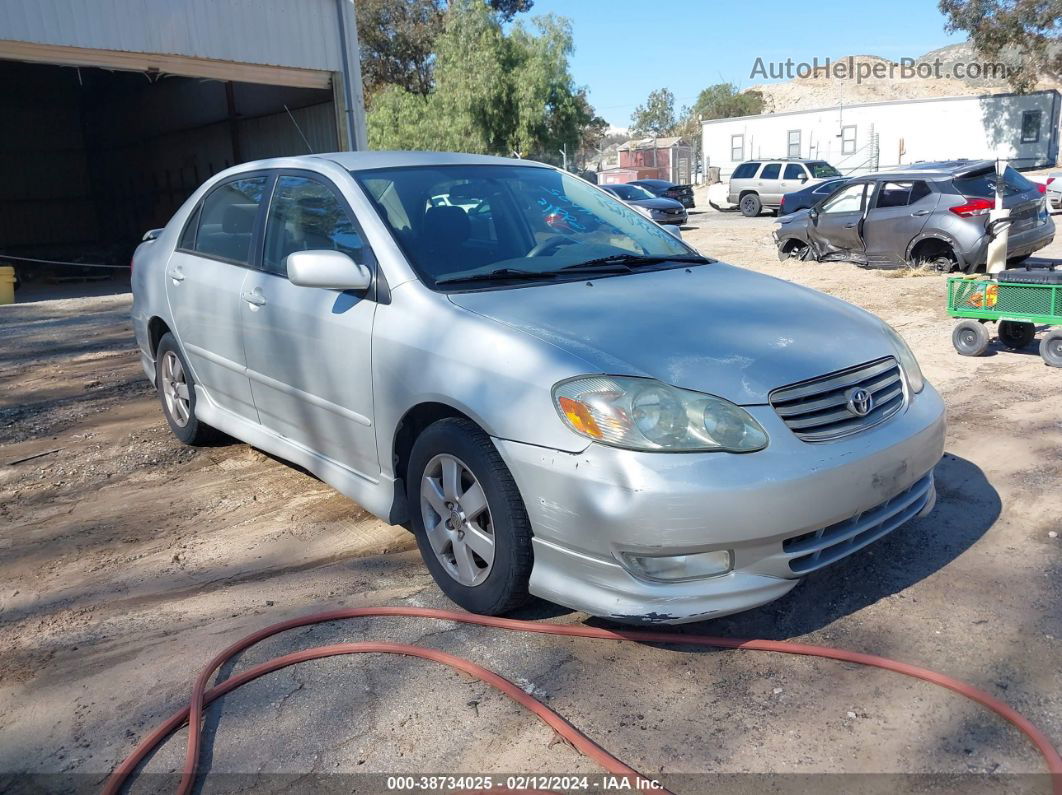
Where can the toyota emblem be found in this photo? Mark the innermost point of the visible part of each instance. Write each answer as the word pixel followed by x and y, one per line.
pixel 860 402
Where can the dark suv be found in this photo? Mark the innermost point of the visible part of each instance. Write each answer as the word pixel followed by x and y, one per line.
pixel 925 215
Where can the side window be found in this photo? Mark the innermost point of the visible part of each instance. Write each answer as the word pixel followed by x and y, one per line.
pixel 227 219
pixel 794 171
pixel 745 170
pixel 187 241
pixel 306 215
pixel 919 190
pixel 846 200
pixel 771 171
pixel 894 194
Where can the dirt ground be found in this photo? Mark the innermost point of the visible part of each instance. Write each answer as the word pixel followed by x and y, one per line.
pixel 127 560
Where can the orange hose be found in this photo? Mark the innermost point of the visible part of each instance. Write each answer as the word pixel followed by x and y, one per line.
pixel 193 713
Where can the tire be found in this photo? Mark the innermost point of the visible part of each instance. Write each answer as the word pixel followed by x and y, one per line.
pixel 750 205
pixel 970 338
pixel 179 410
pixel 462 571
pixel 1016 335
pixel 1051 348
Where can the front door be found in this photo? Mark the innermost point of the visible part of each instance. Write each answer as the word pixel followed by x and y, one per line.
pixel 204 279
pixel 897 214
pixel 794 175
pixel 835 229
pixel 309 348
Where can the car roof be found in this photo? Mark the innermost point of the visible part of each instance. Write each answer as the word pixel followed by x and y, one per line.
pixel 937 169
pixel 360 161
pixel 650 182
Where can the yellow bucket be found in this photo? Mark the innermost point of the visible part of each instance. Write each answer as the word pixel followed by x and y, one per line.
pixel 7 284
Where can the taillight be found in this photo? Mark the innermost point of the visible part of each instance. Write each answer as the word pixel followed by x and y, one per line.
pixel 973 208
pixel 1042 187
pixel 781 204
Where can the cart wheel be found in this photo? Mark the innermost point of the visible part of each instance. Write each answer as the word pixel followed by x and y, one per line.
pixel 970 338
pixel 1051 348
pixel 1016 335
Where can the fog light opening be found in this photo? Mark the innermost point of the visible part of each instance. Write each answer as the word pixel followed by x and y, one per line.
pixel 676 568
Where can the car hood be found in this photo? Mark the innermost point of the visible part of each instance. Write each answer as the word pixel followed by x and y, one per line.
pixel 713 328
pixel 657 204
pixel 797 217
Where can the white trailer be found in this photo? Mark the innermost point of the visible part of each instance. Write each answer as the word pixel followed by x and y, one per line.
pixel 1021 128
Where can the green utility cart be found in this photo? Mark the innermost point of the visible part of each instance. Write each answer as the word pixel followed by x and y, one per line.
pixel 1018 300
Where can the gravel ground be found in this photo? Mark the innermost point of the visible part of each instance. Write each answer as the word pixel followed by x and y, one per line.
pixel 126 560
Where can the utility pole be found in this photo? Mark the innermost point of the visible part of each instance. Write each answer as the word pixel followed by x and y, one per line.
pixel 564 154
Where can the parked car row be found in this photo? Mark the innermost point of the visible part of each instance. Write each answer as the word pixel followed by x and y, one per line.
pixel 925 215
pixel 655 208
pixel 756 185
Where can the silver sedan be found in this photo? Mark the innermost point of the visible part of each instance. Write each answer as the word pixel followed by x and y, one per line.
pixel 558 397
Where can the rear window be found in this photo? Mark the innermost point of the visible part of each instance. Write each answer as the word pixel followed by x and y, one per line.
pixel 745 170
pixel 820 169
pixel 982 184
pixel 771 171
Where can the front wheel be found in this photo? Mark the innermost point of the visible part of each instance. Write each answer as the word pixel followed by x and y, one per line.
pixel 1051 348
pixel 468 518
pixel 970 338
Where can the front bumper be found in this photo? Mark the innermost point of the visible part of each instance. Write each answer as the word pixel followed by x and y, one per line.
pixel 587 508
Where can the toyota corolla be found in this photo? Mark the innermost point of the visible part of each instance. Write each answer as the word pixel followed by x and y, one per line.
pixel 557 396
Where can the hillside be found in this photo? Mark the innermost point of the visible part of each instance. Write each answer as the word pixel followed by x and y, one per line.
pixel 819 90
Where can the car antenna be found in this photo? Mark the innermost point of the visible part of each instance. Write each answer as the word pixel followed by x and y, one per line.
pixel 301 135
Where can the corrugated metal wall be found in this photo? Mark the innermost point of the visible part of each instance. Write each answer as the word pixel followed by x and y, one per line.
pixel 300 33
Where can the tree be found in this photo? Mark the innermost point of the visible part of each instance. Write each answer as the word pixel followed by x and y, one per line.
pixel 724 101
pixel 493 91
pixel 1030 28
pixel 656 116
pixel 397 40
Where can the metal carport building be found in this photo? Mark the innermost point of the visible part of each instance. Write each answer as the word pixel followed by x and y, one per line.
pixel 115 110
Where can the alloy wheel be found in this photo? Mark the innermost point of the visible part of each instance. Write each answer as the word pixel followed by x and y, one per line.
pixel 457 519
pixel 175 389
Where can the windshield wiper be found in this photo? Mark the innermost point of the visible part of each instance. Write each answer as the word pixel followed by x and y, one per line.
pixel 499 274
pixel 640 259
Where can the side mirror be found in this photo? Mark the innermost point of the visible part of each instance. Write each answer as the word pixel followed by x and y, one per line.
pixel 331 270
pixel 804 178
pixel 813 213
pixel 673 229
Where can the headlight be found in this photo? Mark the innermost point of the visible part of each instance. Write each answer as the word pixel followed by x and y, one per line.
pixel 915 380
pixel 642 211
pixel 644 414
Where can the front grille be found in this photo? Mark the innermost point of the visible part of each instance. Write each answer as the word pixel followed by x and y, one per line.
pixel 822 547
pixel 818 410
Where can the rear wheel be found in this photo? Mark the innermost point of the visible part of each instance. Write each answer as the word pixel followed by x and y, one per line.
pixel 468 517
pixel 1051 348
pixel 1016 335
pixel 176 389
pixel 970 338
pixel 750 205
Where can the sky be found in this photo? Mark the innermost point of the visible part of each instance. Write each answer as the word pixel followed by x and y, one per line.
pixel 622 53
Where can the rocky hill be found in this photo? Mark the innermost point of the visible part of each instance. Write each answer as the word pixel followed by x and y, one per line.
pixel 821 90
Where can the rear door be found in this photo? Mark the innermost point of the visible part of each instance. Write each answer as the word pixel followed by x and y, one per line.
pixel 835 223
pixel 309 348
pixel 204 280
pixel 898 211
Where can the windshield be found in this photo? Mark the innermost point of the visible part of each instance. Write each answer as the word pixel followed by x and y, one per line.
pixel 460 221
pixel 630 192
pixel 982 183
pixel 821 169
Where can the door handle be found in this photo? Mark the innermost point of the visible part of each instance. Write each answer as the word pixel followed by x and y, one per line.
pixel 850 226
pixel 922 212
pixel 176 275
pixel 254 299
